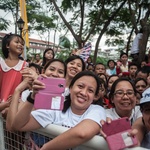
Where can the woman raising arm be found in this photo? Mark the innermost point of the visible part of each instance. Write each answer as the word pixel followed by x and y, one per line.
pixel 78 114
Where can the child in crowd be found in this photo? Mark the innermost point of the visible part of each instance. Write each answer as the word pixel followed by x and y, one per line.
pixel 102 76
pixel 90 67
pixel 47 56
pixel 133 67
pixel 100 68
pixel 122 66
pixel 10 67
pixel 110 82
pixel 101 98
pixel 111 68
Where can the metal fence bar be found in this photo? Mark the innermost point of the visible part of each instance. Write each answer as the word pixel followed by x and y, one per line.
pixel 35 139
pixel 2 142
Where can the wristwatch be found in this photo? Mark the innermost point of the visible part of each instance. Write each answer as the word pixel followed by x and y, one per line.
pixel 29 99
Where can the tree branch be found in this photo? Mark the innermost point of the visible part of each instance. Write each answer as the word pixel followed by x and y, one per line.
pixel 82 4
pixel 96 21
pixel 65 21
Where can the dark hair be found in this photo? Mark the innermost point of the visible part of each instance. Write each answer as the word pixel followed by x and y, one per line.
pixel 53 60
pixel 67 103
pixel 100 64
pixel 44 58
pixel 89 66
pixel 112 91
pixel 114 75
pixel 90 59
pixel 6 41
pixel 123 53
pixel 143 70
pixel 133 64
pixel 99 74
pixel 140 79
pixel 71 58
pixel 36 66
pixel 102 82
pixel 110 61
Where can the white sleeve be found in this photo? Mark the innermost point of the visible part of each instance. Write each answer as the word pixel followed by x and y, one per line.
pixel 138 112
pixel 43 117
pixel 96 113
pixel 24 95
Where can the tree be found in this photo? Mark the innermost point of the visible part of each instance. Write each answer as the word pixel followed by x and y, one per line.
pixel 140 20
pixel 102 17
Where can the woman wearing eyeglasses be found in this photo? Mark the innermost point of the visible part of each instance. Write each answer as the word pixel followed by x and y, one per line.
pixel 123 98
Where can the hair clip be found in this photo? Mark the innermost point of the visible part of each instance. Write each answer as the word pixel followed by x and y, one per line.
pixel 7 35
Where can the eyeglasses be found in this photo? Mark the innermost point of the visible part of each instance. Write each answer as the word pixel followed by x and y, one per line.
pixel 121 93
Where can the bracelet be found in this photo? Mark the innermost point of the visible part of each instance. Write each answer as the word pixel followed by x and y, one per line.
pixel 29 99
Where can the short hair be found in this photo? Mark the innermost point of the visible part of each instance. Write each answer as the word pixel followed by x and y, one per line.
pixel 132 64
pixel 110 61
pixel 36 66
pixel 100 64
pixel 140 79
pixel 143 70
pixel 112 91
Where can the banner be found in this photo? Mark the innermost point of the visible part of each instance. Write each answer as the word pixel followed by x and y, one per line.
pixel 85 52
pixel 25 34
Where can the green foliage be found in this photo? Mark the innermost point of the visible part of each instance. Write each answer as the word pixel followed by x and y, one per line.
pixel 64 42
pixel 102 60
pixel 4 24
pixel 63 55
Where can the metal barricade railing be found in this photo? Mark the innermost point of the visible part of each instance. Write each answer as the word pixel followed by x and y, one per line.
pixel 35 139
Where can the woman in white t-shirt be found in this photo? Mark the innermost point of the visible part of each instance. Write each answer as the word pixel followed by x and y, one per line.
pixel 79 115
pixel 123 98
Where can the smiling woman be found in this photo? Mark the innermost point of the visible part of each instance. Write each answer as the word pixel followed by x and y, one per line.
pixel 79 115
pixel 123 98
pixel 75 64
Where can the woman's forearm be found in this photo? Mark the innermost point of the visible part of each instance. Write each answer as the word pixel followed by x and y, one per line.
pixel 23 116
pixel 74 137
pixel 12 110
pixel 138 124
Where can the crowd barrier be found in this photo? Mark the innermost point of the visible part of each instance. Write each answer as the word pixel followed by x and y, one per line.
pixel 33 140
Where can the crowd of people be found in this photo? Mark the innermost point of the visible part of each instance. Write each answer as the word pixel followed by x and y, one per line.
pixel 93 93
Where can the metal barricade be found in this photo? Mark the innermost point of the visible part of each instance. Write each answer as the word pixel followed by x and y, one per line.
pixel 35 139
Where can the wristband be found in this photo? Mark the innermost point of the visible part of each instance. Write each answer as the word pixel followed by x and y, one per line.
pixel 29 99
